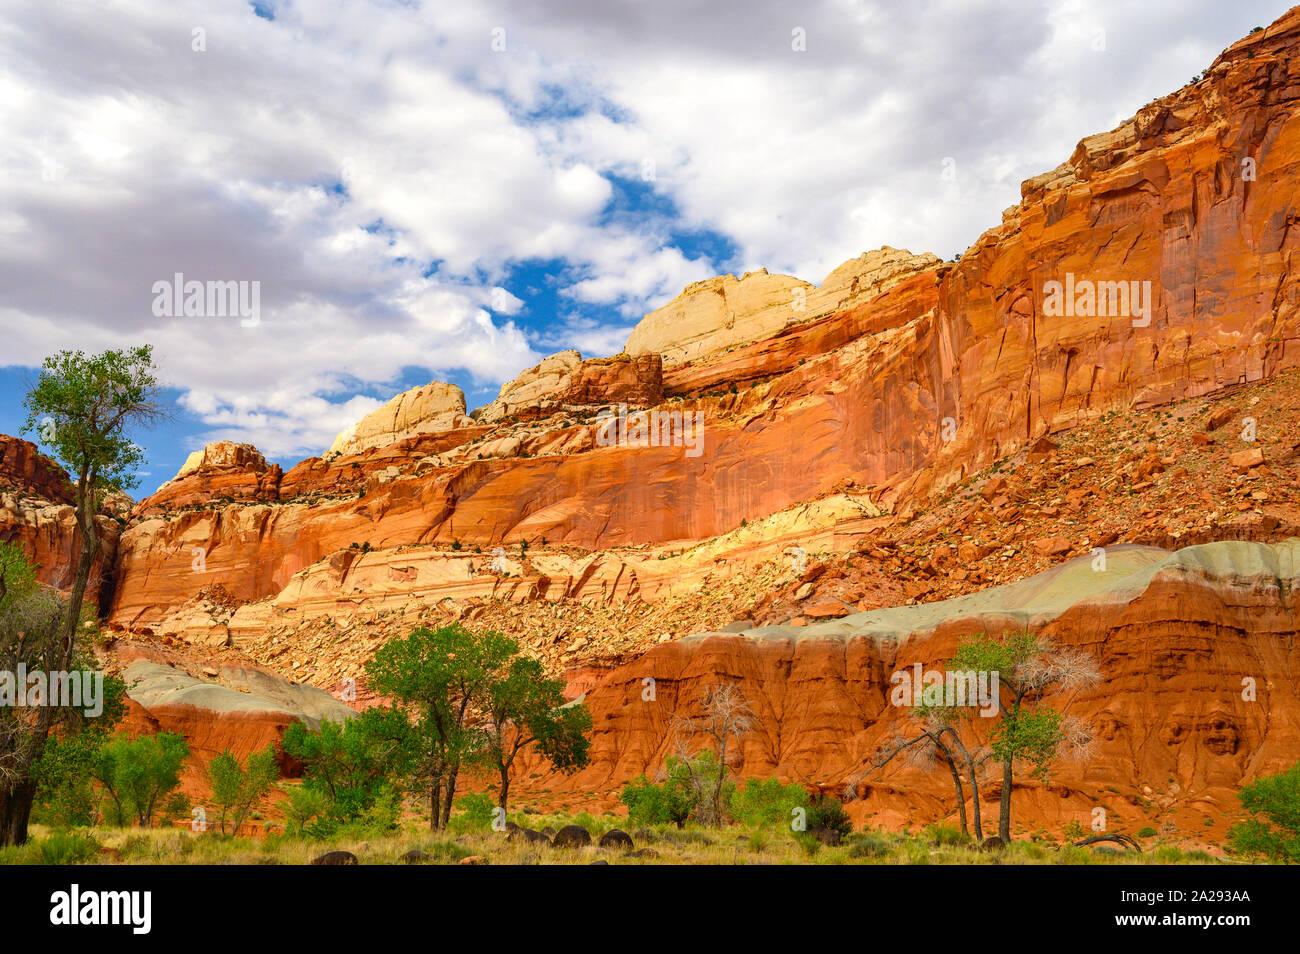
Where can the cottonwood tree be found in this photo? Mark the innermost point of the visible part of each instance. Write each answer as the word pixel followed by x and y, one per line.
pixel 727 715
pixel 32 618
pixel 1028 730
pixel 438 676
pixel 522 707
pixel 83 407
pixel 239 788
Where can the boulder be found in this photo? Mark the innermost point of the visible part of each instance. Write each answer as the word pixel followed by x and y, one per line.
pixel 616 838
pixel 572 836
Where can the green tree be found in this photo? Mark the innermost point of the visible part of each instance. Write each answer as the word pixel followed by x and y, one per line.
pixel 348 767
pixel 522 708
pixel 237 788
pixel 82 408
pixel 139 774
pixel 1027 729
pixel 32 620
pixel 676 798
pixel 438 676
pixel 65 792
pixel 1273 831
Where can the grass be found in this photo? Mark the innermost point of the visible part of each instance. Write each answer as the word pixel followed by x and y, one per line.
pixel 691 845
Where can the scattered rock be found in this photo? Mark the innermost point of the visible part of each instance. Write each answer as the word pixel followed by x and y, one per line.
pixel 335 858
pixel 415 857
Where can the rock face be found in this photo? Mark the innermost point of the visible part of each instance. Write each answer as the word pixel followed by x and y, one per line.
pixel 1177 636
pixel 37 513
pixel 224 454
pixel 221 471
pixel 235 707
pixel 437 406
pixel 725 312
pixel 565 381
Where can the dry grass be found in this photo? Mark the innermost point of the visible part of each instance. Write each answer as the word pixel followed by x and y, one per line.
pixel 691 846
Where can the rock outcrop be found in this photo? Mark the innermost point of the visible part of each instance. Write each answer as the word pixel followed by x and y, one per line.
pixel 564 381
pixel 726 312
pixel 437 406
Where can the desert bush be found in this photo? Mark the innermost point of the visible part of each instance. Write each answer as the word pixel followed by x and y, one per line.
pixel 1273 831
pixel 767 802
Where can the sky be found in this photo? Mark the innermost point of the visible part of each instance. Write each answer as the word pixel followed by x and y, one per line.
pixel 452 191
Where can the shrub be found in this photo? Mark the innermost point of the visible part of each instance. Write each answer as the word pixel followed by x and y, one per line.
pixel 475 811
pixel 67 848
pixel 827 812
pixel 1147 832
pixel 767 802
pixel 944 834
pixel 1273 831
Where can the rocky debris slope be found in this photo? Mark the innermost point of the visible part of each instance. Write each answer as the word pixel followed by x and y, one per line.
pixel 1179 638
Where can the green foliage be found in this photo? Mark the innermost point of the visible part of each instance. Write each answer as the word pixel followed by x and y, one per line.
pixel 476 811
pixel 239 788
pixel 1029 735
pixel 523 707
pixel 139 774
pixel 827 812
pixel 941 834
pixel 762 803
pixel 81 406
pixel 67 848
pixel 17 575
pixel 348 769
pixel 1273 831
pixel 679 797
pixel 1147 832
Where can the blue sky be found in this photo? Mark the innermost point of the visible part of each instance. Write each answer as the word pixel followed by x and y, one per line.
pixel 453 191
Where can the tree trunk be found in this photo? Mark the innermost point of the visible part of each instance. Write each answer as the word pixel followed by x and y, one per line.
pixel 447 800
pixel 1004 809
pixel 961 794
pixel 505 788
pixel 15 812
pixel 435 805
pixel 974 784
pixel 89 550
